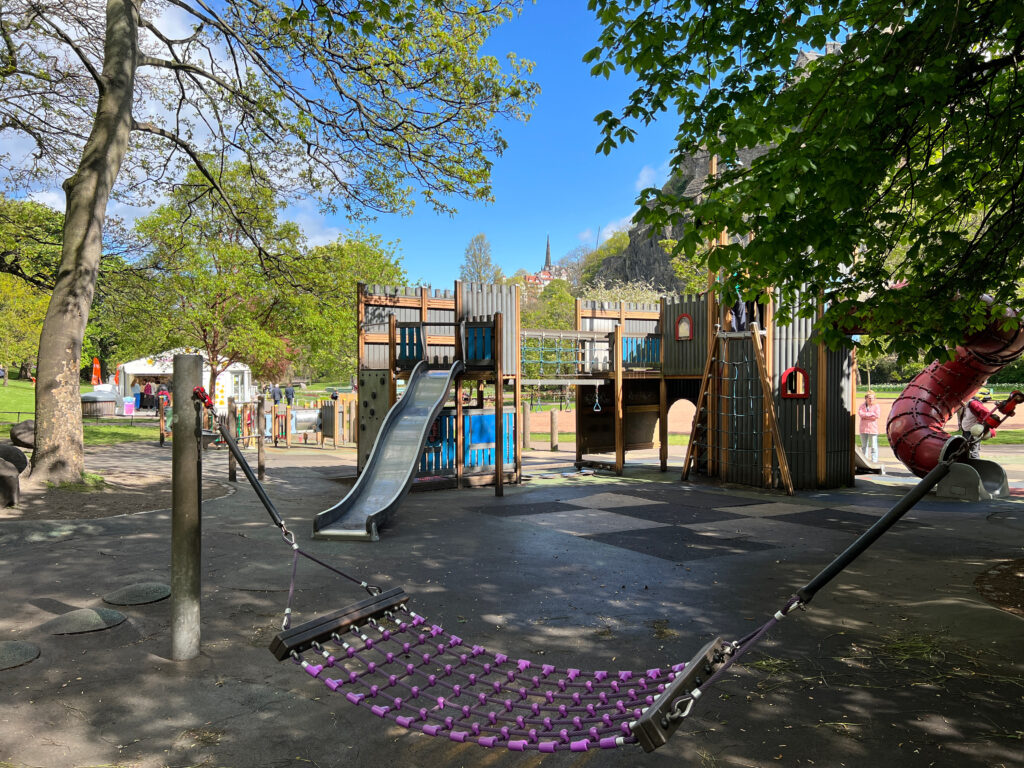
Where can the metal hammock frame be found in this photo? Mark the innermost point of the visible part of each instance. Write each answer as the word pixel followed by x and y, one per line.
pixel 389 660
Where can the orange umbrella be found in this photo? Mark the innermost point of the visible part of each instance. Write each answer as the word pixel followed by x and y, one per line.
pixel 96 371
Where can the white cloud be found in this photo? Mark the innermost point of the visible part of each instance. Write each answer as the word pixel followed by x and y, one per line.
pixel 49 197
pixel 613 227
pixel 646 178
pixel 317 229
pixel 593 239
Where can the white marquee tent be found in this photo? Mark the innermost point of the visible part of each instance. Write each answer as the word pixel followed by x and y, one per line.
pixel 235 382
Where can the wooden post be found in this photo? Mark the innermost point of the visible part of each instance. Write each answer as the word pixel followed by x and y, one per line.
pixel 460 437
pixel 517 397
pixel 499 408
pixel 261 432
pixel 186 511
pixel 340 419
pixel 766 385
pixel 524 431
pixel 392 360
pixel 703 396
pixel 353 422
pixel 360 325
pixel 554 429
pixel 620 442
pixel 233 428
pixel 663 422
pixel 821 409
pixel 287 426
pixel 424 317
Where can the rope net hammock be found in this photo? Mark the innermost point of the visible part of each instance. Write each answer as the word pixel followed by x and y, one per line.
pixel 384 657
pixel 389 660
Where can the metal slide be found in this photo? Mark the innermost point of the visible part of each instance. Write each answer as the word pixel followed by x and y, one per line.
pixel 389 471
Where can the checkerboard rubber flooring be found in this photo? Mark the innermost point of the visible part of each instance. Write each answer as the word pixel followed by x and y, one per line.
pixel 681 524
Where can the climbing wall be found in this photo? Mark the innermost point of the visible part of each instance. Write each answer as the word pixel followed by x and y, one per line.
pixel 373 407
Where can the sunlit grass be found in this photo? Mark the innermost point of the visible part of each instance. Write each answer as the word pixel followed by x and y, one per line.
pixel 89 482
pixel 109 434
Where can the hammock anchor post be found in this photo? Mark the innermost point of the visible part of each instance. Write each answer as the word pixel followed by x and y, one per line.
pixel 186 512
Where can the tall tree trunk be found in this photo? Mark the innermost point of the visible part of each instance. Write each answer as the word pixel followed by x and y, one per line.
pixel 58 454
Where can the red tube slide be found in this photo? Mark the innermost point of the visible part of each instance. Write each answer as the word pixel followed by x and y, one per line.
pixel 915 425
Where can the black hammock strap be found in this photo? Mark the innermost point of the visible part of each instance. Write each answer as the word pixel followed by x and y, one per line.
pixel 381 656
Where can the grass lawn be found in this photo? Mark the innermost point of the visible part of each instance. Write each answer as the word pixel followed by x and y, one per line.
pixel 17 397
pixel 109 434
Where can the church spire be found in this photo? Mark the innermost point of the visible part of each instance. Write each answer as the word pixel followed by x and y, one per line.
pixel 547 259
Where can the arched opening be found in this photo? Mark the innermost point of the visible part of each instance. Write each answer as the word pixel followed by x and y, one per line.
pixel 684 328
pixel 680 422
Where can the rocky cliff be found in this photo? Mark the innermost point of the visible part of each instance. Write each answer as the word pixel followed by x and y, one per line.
pixel 644 258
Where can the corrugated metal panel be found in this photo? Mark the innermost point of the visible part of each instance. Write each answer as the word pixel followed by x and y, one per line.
pixel 796 416
pixel 839 433
pixel 479 300
pixel 606 324
pixel 375 356
pixel 641 326
pixel 685 358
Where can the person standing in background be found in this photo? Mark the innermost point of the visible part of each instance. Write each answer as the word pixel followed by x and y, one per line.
pixel 869 413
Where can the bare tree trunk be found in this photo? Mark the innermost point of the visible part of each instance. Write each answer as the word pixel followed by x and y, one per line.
pixel 58 454
pixel 212 387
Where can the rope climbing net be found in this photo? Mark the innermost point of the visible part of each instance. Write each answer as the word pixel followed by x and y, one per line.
pixel 734 438
pixel 405 669
pixel 561 354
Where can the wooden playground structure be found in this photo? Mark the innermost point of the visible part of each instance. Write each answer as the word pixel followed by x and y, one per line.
pixel 774 406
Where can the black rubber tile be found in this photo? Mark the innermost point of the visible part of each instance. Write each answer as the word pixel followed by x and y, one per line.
pixel 676 514
pixel 679 495
pixel 511 510
pixel 837 519
pixel 678 545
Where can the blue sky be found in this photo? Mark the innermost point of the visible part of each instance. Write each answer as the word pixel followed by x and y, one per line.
pixel 549 181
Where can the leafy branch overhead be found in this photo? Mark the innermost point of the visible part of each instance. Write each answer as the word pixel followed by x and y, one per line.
pixel 367 105
pixel 895 159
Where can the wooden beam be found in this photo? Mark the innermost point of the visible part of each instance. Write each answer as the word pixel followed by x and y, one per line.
pixel 702 394
pixel 517 397
pixel 392 360
pixel 663 423
pixel 766 386
pixel 360 326
pixel 619 314
pixel 620 443
pixel 821 411
pixel 499 409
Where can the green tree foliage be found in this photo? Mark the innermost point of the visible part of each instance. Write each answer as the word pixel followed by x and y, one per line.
pixel 613 246
pixel 477 266
pixel 30 240
pixel 365 103
pixel 690 271
pixel 22 308
pixel 327 335
pixel 896 159
pixel 205 286
pixel 554 309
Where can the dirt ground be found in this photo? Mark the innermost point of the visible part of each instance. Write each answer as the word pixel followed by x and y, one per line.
pixel 130 484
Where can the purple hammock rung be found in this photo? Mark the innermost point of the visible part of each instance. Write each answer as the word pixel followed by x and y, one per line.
pixel 417 675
